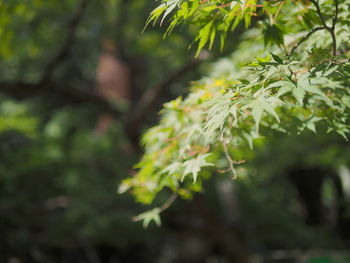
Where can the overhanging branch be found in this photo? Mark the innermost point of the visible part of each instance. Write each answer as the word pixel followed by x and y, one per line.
pixel 132 120
pixel 22 90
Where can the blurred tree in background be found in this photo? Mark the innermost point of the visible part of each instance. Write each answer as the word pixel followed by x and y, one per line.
pixel 80 83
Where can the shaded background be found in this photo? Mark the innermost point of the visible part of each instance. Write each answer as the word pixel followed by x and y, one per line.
pixel 78 85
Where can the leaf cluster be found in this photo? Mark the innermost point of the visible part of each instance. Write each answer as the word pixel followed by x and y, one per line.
pixel 285 89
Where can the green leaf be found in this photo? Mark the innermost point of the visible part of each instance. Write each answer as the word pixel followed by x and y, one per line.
pixel 171 6
pixel 299 94
pixel 194 166
pixel 273 34
pixel 257 111
pixel 172 168
pixel 203 36
pixel 149 216
pixel 270 109
pixel 233 111
pixel 235 22
pixel 212 37
pixel 346 101
pixel 281 83
pixel 284 90
pixel 276 58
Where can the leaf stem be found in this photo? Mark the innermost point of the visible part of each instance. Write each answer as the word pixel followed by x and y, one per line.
pixel 168 202
pixel 229 159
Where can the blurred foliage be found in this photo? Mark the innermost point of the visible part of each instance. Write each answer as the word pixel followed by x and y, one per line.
pixel 58 183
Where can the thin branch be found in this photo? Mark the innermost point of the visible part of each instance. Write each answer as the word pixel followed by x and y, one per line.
pixel 335 19
pixel 331 30
pixel 229 159
pixel 71 35
pixel 168 202
pixel 334 42
pixel 20 90
pixel 318 10
pixel 306 38
pixel 163 207
pixel 278 11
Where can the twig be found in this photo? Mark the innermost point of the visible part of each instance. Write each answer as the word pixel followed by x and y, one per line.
pixel 306 38
pixel 334 42
pixel 332 31
pixel 335 19
pixel 168 202
pixel 229 159
pixel 278 11
pixel 163 207
pixel 318 10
